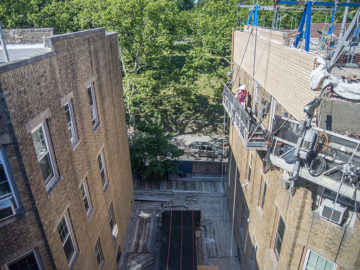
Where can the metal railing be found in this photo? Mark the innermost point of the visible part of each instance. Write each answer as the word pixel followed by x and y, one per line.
pixel 330 159
pixel 248 128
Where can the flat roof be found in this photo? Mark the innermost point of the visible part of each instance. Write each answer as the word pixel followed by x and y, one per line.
pixel 22 51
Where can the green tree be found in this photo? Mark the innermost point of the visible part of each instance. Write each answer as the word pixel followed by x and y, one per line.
pixel 151 152
pixel 185 4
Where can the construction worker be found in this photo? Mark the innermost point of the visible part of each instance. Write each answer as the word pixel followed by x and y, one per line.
pixel 241 94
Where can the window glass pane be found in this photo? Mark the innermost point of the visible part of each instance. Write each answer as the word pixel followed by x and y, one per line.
pixel 4 189
pixel 263 196
pixel 86 203
pixel 2 174
pixel 316 262
pixel 69 120
pixel 4 184
pixel 320 263
pixel 311 263
pixel 63 230
pixel 25 263
pixel 68 248
pixel 45 166
pixel 329 265
pixel 98 252
pixel 39 143
pixel 277 246
pixel 111 220
pixel 279 237
pixel 90 96
pixel 83 190
pixel 100 162
pixel 5 209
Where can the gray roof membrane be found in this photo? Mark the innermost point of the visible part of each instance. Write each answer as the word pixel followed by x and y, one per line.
pixel 23 51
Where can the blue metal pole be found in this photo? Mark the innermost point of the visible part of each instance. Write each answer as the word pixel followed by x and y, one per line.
pixel 332 27
pixel 300 29
pixel 308 25
pixel 250 16
pixel 356 32
pixel 256 17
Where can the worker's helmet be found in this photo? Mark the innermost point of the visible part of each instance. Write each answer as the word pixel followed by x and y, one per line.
pixel 242 87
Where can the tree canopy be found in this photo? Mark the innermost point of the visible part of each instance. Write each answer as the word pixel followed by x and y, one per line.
pixel 174 55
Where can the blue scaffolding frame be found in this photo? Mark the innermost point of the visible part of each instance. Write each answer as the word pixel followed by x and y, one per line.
pixel 305 18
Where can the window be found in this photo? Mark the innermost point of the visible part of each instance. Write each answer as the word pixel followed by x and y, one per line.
pixel 263 194
pixel 253 255
pixel 279 237
pixel 29 261
pixel 118 255
pixel 98 253
pixel 8 202
pixel 67 239
pixel 112 221
pixel 102 170
pixel 44 153
pixel 249 168
pixel 70 119
pixel 93 108
pixel 86 198
pixel 314 261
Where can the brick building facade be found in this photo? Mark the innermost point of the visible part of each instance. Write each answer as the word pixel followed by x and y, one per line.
pixel 274 226
pixel 66 184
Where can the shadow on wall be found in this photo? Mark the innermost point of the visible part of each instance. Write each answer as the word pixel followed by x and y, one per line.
pixel 239 214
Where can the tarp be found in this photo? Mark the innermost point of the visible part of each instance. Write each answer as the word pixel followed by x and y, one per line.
pixel 178 242
pixel 348 90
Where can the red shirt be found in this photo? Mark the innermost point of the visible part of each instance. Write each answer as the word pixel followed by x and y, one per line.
pixel 241 96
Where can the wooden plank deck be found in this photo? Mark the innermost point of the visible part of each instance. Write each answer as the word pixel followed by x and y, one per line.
pixel 213 238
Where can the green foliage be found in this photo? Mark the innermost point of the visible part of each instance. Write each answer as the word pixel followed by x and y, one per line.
pixel 151 152
pixel 185 4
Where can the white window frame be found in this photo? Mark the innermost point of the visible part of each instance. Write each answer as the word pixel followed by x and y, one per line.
pixel 74 139
pixel 12 194
pixel 102 169
pixel 93 107
pixel 85 194
pixel 71 235
pixel 98 250
pixel 36 255
pixel 249 168
pixel 49 182
pixel 307 258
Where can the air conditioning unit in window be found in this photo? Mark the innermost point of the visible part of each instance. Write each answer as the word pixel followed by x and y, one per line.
pixel 7 209
pixel 329 212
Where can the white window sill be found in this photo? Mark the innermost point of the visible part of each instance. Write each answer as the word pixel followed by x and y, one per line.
pixel 106 186
pixel 75 143
pixel 89 213
pixel 52 183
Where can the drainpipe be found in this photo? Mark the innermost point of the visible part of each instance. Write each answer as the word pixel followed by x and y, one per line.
pixel 7 59
pixel 343 24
